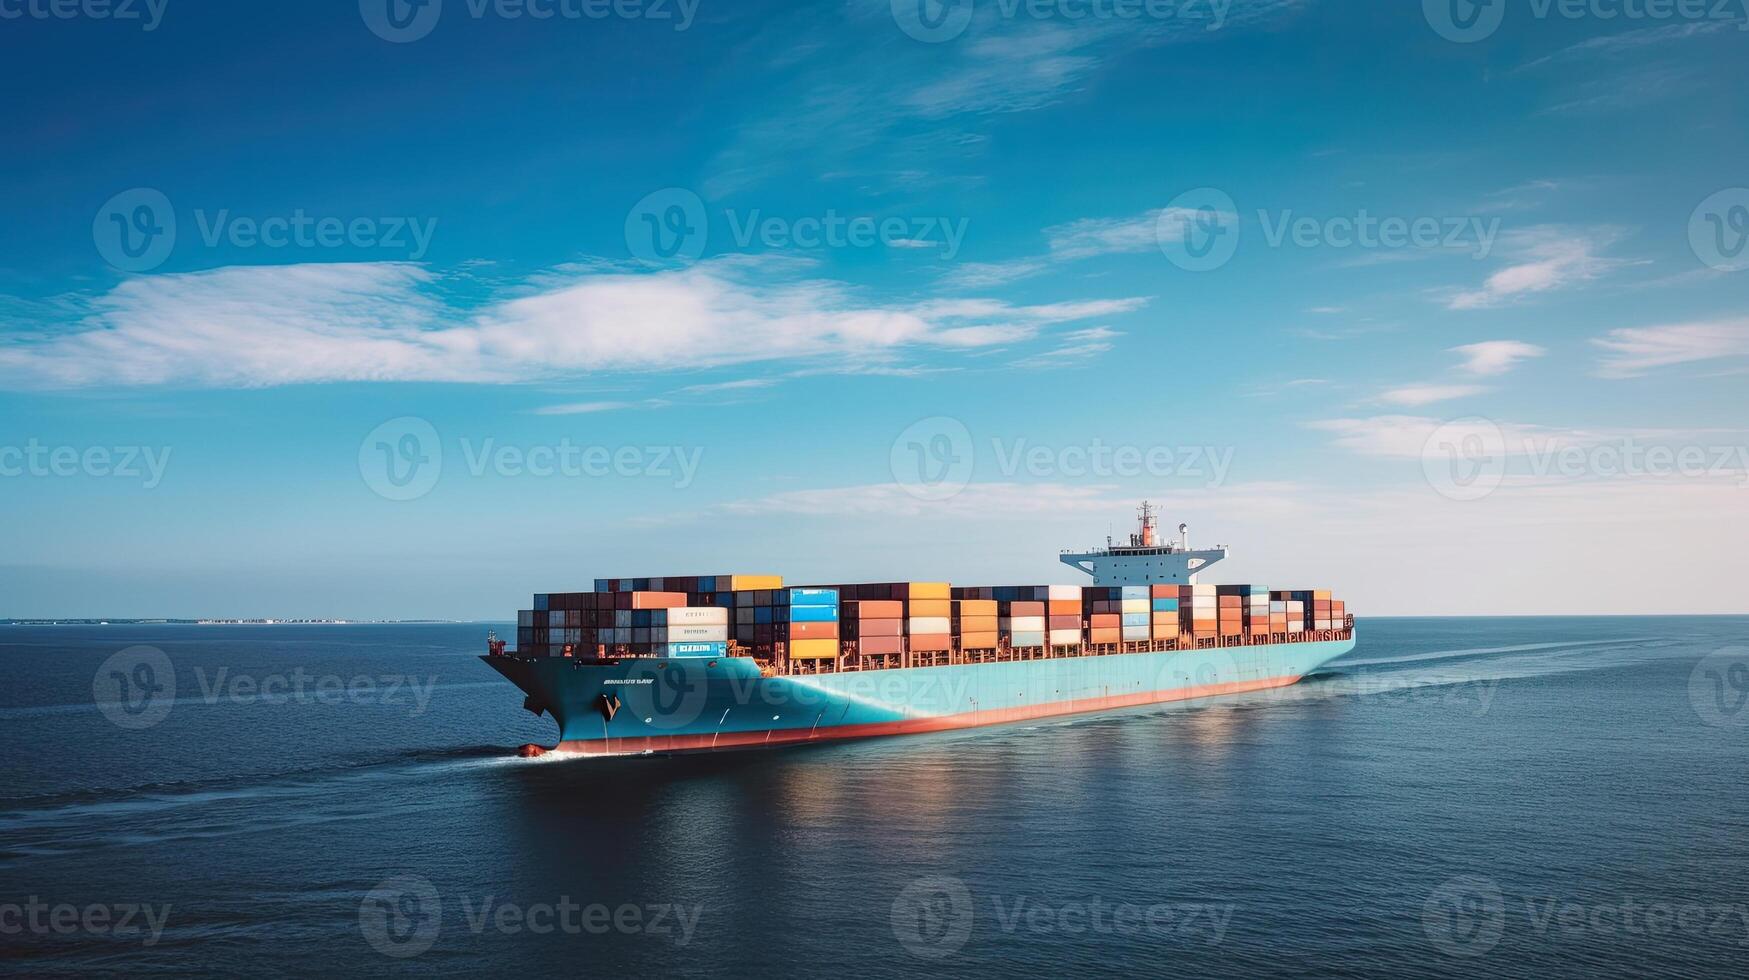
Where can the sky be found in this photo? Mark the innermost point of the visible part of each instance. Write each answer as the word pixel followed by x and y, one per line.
pixel 379 310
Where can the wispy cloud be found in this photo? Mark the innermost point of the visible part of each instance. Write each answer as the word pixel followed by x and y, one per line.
pixel 1427 394
pixel 589 408
pixel 1078 345
pixel 1635 350
pixel 1544 258
pixel 1492 357
pixel 299 324
pixel 744 384
pixel 1084 238
pixel 1628 42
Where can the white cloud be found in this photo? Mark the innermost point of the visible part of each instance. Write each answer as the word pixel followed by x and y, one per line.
pixel 277 325
pixel 1412 395
pixel 588 408
pixel 1406 436
pixel 1496 356
pixel 1543 258
pixel 1636 350
pixel 741 385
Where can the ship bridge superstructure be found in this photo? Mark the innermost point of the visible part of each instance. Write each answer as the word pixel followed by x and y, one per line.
pixel 1146 559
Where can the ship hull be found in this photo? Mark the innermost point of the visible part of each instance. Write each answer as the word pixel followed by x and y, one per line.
pixel 645 706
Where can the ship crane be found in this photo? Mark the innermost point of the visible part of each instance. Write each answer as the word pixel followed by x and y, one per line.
pixel 1146 560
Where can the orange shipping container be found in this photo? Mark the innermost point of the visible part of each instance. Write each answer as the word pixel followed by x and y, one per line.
pixel 975 607
pixel 658 600
pixel 880 644
pixel 880 627
pixel 876 609
pixel 1105 634
pixel 931 607
pixel 931 641
pixel 978 641
pixel 813 631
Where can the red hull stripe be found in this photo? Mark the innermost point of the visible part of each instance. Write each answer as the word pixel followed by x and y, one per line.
pixel 908 726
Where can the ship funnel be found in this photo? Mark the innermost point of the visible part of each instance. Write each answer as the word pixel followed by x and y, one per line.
pixel 1184 537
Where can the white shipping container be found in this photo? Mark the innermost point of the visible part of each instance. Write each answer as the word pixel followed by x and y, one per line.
pixel 928 624
pixel 1064 638
pixel 1064 592
pixel 698 616
pixel 1021 624
pixel 703 634
pixel 1197 590
pixel 1137 605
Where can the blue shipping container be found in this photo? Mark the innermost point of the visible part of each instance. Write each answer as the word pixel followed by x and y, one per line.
pixel 813 614
pixel 813 597
pixel 1165 605
pixel 704 649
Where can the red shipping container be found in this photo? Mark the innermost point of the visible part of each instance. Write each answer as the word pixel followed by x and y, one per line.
pixel 1163 591
pixel 1106 620
pixel 658 600
pixel 813 631
pixel 875 609
pixel 1026 609
pixel 1064 622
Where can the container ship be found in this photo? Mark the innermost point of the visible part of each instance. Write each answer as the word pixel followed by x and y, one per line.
pixel 699 663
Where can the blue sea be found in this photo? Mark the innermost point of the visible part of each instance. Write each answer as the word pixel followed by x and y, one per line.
pixel 1545 797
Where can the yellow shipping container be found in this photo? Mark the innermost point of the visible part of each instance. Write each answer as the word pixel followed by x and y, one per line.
pixel 813 649
pixel 742 583
pixel 931 590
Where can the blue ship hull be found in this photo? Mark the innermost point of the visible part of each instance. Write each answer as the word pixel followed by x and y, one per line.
pixel 646 705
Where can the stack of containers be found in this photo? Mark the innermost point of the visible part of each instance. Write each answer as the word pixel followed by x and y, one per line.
pixel 1163 601
pixel 761 617
pixel 1339 613
pixel 1063 615
pixel 1102 607
pixel 975 623
pixel 1294 609
pixel 1138 614
pixel 813 624
pixel 1323 611
pixel 1198 610
pixel 877 625
pixel 1253 606
pixel 695 631
pixel 1022 621
pixel 929 616
pixel 1277 612
pixel 1230 607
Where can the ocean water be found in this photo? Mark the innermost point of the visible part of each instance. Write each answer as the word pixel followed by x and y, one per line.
pixel 1458 797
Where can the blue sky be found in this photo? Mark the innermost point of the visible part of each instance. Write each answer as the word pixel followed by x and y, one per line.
pixel 311 310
